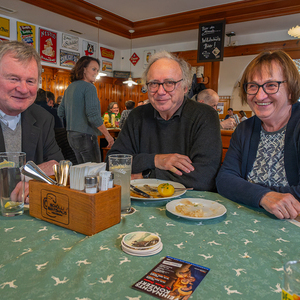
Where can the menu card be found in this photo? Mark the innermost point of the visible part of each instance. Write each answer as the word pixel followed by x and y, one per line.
pixel 172 278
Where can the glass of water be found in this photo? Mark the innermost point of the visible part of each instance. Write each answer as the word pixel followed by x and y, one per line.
pixel 12 183
pixel 291 282
pixel 120 166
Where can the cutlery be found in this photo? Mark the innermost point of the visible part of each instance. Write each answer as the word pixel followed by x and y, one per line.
pixel 56 174
pixel 140 192
pixel 31 170
pixel 176 189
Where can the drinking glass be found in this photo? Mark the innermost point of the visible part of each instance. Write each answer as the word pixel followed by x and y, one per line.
pixel 120 166
pixel 291 282
pixel 12 183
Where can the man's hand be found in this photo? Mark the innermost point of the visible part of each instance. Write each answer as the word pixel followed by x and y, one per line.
pixel 16 194
pixel 228 124
pixel 173 162
pixel 47 167
pixel 283 206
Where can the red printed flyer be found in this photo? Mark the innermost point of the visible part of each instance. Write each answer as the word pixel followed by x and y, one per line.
pixel 172 279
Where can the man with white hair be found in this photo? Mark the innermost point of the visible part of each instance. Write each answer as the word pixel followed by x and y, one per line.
pixel 211 98
pixel 172 137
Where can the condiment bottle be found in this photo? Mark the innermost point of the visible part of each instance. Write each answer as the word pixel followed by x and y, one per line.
pixel 106 118
pixel 113 120
pixel 91 184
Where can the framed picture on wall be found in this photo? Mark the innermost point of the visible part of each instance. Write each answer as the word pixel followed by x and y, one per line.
pixel 70 42
pixel 68 58
pixel 48 42
pixel 107 66
pixel 223 106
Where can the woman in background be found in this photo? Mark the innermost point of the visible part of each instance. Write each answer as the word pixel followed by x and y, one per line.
pixel 113 108
pixel 81 108
pixel 242 116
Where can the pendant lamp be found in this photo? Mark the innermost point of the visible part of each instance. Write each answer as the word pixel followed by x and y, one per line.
pixel 130 82
pixel 98 55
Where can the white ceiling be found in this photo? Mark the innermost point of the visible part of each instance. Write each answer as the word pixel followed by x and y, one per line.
pixel 136 10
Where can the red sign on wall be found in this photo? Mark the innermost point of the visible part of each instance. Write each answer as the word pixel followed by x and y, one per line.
pixel 107 53
pixel 48 45
pixel 134 59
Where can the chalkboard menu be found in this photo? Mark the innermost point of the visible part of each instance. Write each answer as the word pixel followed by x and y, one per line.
pixel 211 41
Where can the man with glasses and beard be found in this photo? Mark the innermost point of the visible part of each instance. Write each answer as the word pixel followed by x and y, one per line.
pixel 172 138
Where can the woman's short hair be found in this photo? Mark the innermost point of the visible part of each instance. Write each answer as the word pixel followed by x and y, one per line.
pixel 111 105
pixel 21 51
pixel 129 104
pixel 184 66
pixel 78 71
pixel 265 60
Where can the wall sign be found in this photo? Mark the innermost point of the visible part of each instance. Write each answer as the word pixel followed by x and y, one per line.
pixel 70 42
pixel 107 53
pixel 48 41
pixel 68 59
pixel 211 41
pixel 4 27
pixel 134 59
pixel 26 33
pixel 89 48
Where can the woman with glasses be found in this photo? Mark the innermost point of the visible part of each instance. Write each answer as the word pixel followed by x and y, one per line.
pixel 262 165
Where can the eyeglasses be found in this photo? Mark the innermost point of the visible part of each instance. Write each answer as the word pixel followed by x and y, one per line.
pixel 269 88
pixel 169 85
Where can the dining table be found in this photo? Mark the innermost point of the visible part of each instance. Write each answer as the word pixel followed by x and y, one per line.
pixel 245 250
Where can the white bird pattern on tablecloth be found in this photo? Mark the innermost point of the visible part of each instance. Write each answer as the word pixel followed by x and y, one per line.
pixel 139 226
pixel 41 266
pixel 280 252
pixel 85 262
pixel 227 221
pixel 191 233
pixel 58 281
pixel 82 298
pixel 246 241
pixel 107 280
pixel 9 283
pixel 221 232
pixel 231 291
pixel 43 229
pixel 214 243
pixel 278 269
pixel 19 240
pixel 255 221
pixel 54 238
pixel 152 217
pixel 25 252
pixel 121 235
pixel 235 213
pixel 277 289
pixel 238 271
pixel 179 246
pixel 169 224
pixel 104 248
pixel 282 240
pixel 67 249
pixel 283 229
pixel 124 259
pixel 246 255
pixel 206 256
pixel 8 229
pixel 253 231
pixel 161 208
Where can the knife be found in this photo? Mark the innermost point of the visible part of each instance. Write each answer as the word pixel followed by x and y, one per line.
pixel 138 191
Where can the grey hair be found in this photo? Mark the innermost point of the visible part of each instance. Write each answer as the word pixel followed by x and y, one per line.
pixel 184 66
pixel 111 105
pixel 22 52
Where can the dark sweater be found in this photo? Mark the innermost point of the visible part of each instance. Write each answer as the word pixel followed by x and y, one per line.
pixel 195 133
pixel 231 180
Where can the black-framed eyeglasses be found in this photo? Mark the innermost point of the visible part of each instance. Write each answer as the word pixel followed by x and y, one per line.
pixel 168 85
pixel 270 87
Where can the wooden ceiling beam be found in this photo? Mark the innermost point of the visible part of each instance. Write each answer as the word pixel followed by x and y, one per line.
pixel 236 12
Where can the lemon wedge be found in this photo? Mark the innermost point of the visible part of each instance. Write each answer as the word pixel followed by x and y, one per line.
pixel 11 204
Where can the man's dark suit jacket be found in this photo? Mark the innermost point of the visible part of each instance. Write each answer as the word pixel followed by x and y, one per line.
pixel 38 138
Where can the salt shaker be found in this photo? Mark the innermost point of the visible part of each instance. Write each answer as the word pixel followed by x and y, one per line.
pixel 91 184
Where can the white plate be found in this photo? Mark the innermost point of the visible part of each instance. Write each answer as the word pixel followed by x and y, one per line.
pixel 143 254
pixel 210 208
pixel 156 182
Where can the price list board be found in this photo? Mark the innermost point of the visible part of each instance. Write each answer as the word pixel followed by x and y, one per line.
pixel 211 41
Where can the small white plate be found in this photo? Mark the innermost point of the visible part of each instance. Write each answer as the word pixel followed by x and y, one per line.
pixel 211 209
pixel 128 251
pixel 156 182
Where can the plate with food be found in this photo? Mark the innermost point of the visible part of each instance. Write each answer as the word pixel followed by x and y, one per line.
pixel 196 208
pixel 157 189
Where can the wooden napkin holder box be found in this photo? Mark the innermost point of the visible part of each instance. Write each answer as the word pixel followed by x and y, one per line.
pixel 75 210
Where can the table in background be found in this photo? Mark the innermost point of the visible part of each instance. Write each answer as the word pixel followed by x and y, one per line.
pixel 245 250
pixel 114 132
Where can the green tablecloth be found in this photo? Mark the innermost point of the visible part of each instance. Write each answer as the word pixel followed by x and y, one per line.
pixel 245 250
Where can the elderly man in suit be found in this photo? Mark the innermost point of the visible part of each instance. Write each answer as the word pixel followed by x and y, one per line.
pixel 24 126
